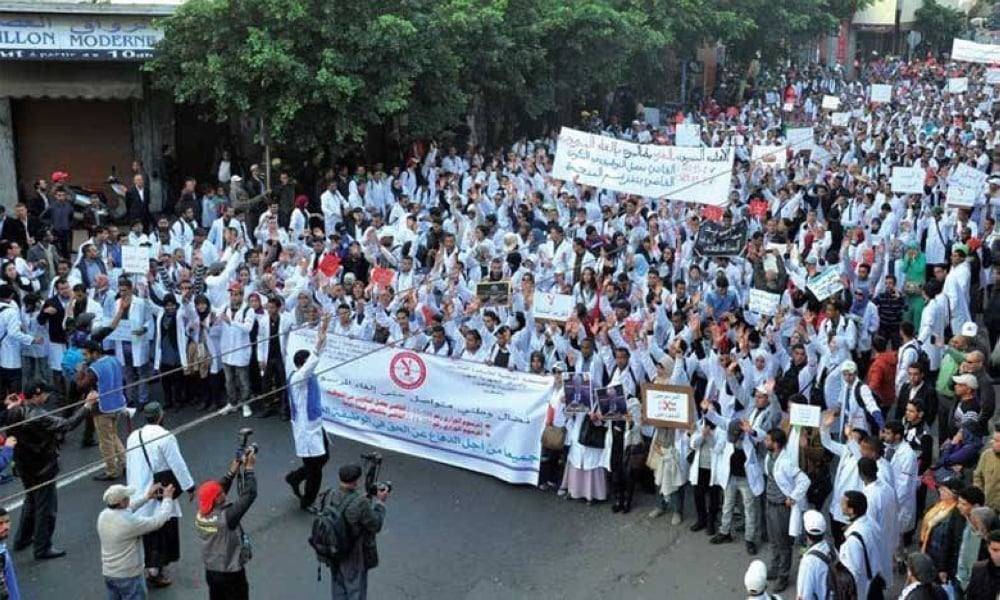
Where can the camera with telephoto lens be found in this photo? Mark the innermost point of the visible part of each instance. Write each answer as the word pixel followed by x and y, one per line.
pixel 246 447
pixel 373 465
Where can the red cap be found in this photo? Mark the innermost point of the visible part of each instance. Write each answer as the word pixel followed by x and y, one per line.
pixel 208 493
pixel 58 176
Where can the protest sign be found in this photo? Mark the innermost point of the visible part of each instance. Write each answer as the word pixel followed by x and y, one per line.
pixel 135 259
pixel 771 156
pixel 651 115
pixel 712 213
pixel 830 103
pixel 493 293
pixel 800 138
pixel 826 283
pixel 700 175
pixel 881 92
pixel 907 180
pixel 757 208
pixel 992 76
pixel 840 119
pixel 553 307
pixel 965 185
pixel 804 415
pixel 715 239
pixel 967 51
pixel 578 393
pixel 958 85
pixel 465 414
pixel 669 406
pixel 688 134
pixel 982 125
pixel 383 276
pixel 763 303
pixel 329 264
pixel 611 402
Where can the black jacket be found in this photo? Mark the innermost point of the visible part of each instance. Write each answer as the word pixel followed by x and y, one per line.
pixel 984 584
pixel 926 395
pixel 16 231
pixel 137 205
pixel 37 452
pixel 57 333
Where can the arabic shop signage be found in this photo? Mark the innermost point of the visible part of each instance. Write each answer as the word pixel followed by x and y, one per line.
pixel 25 36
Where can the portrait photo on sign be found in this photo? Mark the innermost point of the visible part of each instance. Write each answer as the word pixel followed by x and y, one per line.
pixel 611 402
pixel 493 293
pixel 669 406
pixel 579 396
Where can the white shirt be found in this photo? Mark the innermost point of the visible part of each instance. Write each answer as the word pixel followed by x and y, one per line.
pixel 234 343
pixel 308 434
pixel 810 583
pixel 12 337
pixel 164 453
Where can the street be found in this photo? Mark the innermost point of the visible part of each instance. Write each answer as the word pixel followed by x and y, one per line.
pixel 448 533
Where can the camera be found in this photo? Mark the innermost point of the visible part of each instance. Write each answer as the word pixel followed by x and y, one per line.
pixel 373 465
pixel 246 446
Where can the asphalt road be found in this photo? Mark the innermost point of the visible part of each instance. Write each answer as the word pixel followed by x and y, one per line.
pixel 448 533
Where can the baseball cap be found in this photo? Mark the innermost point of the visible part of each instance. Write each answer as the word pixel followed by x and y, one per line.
pixel 970 329
pixel 849 366
pixel 814 523
pixel 966 379
pixel 755 579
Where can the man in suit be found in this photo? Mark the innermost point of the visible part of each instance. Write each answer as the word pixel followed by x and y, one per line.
pixel 917 388
pixel 38 205
pixel 21 228
pixel 137 201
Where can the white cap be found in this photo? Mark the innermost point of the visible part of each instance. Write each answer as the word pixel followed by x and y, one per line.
pixel 755 579
pixel 116 493
pixel 849 366
pixel 969 329
pixel 813 522
pixel 235 178
pixel 967 380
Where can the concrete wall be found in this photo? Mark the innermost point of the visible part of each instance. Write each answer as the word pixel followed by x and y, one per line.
pixel 8 170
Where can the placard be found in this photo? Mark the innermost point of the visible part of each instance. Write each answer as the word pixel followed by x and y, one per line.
pixel 800 138
pixel 578 392
pixel 830 103
pixel 688 134
pixel 493 293
pixel 135 259
pixel 770 156
pixel 611 402
pixel 804 415
pixel 700 175
pixel 668 406
pixel 958 85
pixel 965 185
pixel 651 115
pixel 967 51
pixel 992 76
pixel 763 302
pixel 826 283
pixel 907 180
pixel 881 92
pixel 840 119
pixel 553 307
pixel 715 239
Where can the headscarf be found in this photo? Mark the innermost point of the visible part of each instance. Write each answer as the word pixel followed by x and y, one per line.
pixel 859 305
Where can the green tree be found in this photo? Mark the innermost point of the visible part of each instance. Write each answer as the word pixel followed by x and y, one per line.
pixel 938 24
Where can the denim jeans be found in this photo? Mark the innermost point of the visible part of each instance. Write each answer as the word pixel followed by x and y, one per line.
pixel 237 383
pixel 125 588
pixel 751 514
pixel 138 395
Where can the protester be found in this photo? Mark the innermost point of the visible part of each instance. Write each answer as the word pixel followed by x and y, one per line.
pixel 984 584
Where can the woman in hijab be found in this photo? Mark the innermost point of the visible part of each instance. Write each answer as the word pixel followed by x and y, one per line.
pixel 914 276
pixel 941 531
pixel 865 314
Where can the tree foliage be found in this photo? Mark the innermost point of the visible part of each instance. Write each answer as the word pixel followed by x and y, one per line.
pixel 938 24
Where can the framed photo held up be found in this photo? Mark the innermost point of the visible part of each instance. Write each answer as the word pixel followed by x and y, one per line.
pixel 668 406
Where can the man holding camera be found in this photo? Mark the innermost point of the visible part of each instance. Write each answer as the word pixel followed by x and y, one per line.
pixel 225 548
pixel 305 400
pixel 363 516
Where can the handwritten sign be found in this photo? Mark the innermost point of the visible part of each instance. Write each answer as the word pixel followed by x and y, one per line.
pixel 651 115
pixel 965 186
pixel 840 119
pixel 763 303
pixel 669 406
pixel 800 138
pixel 553 307
pixel 135 259
pixel 715 239
pixel 907 180
pixel 457 412
pixel 966 51
pixel 830 103
pixel 826 283
pixel 771 156
pixel 700 175
pixel 992 76
pixel 804 415
pixel 958 85
pixel 688 134
pixel 881 92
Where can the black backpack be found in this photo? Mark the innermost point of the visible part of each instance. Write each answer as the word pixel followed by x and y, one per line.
pixel 876 589
pixel 869 418
pixel 840 583
pixel 332 537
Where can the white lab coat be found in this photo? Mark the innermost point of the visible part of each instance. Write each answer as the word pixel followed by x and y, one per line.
pixel 164 453
pixel 852 554
pixel 793 483
pixel 12 336
pixel 904 463
pixel 932 323
pixel 883 509
pixel 308 434
pixel 956 288
pixel 810 583
pixel 584 457
pixel 234 341
pixel 846 478
pixel 286 321
pixel 139 315
pixel 180 337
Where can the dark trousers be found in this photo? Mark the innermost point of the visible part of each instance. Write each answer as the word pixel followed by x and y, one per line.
pixel 777 517
pixel 706 499
pixel 38 518
pixel 311 472
pixel 10 381
pixel 274 379
pixel 197 388
pixel 172 380
pixel 550 468
pixel 227 586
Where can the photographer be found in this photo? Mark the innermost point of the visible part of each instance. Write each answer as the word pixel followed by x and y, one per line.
pixel 363 516
pixel 224 549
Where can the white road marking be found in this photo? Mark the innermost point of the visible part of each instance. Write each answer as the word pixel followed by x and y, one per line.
pixel 62 483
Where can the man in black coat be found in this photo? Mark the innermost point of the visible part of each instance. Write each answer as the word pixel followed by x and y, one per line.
pixel 137 201
pixel 984 584
pixel 917 388
pixel 37 458
pixel 21 228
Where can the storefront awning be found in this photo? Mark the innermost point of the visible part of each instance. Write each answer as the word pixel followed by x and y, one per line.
pixel 85 81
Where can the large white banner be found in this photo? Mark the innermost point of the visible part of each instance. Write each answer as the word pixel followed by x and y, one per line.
pixel 464 414
pixel 964 50
pixel 700 175
pixel 688 134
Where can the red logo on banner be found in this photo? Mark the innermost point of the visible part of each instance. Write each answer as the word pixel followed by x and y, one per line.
pixel 758 208
pixel 712 213
pixel 407 370
pixel 382 276
pixel 329 264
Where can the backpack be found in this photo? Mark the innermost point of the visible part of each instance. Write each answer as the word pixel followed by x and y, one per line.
pixel 332 537
pixel 872 423
pixel 840 583
pixel 922 359
pixel 876 589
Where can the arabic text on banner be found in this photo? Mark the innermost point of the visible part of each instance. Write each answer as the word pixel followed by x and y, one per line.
pixel 700 175
pixel 826 284
pixel 468 415
pixel 763 302
pixel 967 51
